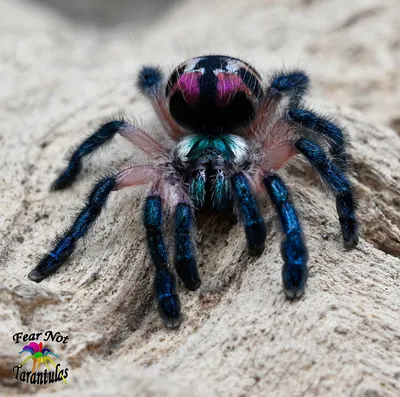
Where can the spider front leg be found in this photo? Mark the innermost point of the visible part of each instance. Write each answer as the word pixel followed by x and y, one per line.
pixel 185 261
pixel 337 181
pixel 99 138
pixel 169 305
pixel 293 248
pixel 250 214
pixel 66 244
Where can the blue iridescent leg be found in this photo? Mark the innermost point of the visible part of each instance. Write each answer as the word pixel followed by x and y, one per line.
pixel 169 305
pixel 337 181
pixel 249 212
pixel 293 249
pixel 323 128
pixel 295 84
pixel 103 135
pixel 65 244
pixel 185 260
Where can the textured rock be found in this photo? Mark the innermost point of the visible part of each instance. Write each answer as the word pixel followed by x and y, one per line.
pixel 240 337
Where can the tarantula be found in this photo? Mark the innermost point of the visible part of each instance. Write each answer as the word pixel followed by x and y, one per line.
pixel 229 135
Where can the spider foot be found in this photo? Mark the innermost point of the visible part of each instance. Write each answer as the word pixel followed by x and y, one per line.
pixel 48 265
pixel 188 273
pixel 346 206
pixel 294 280
pixel 350 238
pixel 256 235
pixel 294 293
pixel 149 79
pixel 169 305
pixel 53 260
pixel 295 270
pixel 36 275
pixel 66 178
pixel 169 309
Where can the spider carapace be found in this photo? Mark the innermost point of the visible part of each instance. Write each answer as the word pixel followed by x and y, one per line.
pixel 229 134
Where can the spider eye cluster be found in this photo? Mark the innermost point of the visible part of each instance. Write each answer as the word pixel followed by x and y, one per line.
pixel 213 94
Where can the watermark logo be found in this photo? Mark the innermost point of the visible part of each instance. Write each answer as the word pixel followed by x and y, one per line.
pixel 39 355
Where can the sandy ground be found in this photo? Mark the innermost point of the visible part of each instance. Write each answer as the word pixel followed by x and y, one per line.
pixel 63 69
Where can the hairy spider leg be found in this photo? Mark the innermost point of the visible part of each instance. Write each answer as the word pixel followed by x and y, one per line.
pixel 66 243
pixel 100 137
pixel 185 260
pixel 150 83
pixel 250 214
pixel 169 305
pixel 293 85
pixel 320 127
pixel 338 182
pixel 293 249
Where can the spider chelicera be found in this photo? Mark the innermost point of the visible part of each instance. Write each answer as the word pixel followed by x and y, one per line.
pixel 229 135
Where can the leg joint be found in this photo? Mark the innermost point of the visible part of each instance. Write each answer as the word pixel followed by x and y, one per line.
pixel 183 217
pixel 153 213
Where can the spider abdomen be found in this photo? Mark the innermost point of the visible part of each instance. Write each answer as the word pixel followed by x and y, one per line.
pixel 213 94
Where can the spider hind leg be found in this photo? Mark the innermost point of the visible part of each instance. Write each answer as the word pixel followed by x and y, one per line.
pixel 341 186
pixel 295 84
pixel 291 85
pixel 324 130
pixel 150 82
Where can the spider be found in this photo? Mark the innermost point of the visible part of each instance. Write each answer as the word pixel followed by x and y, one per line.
pixel 229 136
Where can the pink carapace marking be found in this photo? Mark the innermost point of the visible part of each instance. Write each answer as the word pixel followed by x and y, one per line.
pixel 228 85
pixel 189 85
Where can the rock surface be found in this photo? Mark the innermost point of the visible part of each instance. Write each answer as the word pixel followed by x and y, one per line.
pixel 62 70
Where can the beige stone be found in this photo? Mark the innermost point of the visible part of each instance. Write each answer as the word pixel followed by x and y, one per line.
pixel 62 73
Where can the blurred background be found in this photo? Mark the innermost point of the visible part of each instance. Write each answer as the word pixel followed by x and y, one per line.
pixel 103 14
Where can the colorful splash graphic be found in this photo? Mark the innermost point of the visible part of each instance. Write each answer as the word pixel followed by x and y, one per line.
pixel 40 355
